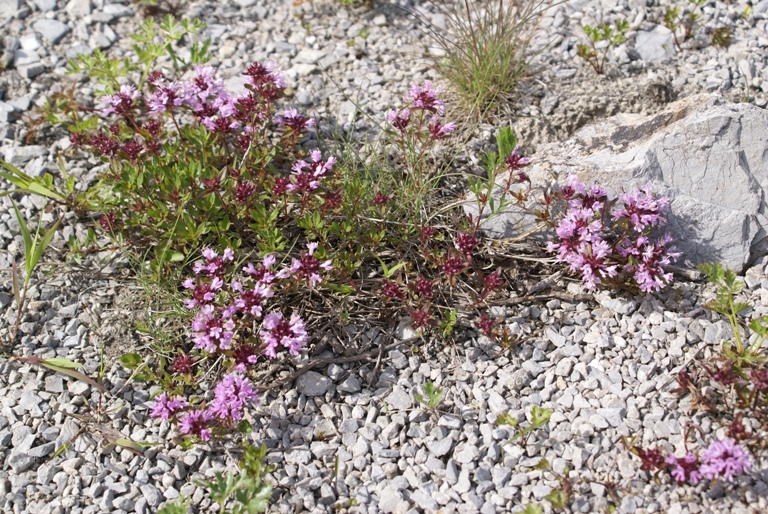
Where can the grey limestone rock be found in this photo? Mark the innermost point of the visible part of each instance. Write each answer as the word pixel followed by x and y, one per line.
pixel 52 30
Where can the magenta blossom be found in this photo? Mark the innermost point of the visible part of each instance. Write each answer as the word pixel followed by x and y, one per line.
pixel 202 294
pixel 250 300
pixel 308 267
pixel 121 102
pixel 212 332
pixel 277 331
pixel 439 131
pixel 196 423
pixel 166 408
pixel 232 395
pixel 515 161
pixel 425 97
pixel 399 120
pixel 724 459
pixel 215 265
pixel 264 273
pixel 685 469
pixel 642 209
pixel 295 121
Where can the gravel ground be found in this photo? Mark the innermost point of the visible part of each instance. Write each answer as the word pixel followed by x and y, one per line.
pixel 353 431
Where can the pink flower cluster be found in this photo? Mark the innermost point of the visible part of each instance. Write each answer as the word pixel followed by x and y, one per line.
pixel 721 460
pixel 224 306
pixel 426 100
pixel 598 251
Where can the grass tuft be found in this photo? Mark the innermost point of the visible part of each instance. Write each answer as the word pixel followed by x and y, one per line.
pixel 486 49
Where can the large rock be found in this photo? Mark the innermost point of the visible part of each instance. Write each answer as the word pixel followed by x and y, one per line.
pixel 710 157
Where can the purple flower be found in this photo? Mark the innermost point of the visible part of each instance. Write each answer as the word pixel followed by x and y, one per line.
pixel 211 331
pixel 439 131
pixel 515 161
pixel 724 459
pixel 215 265
pixel 196 424
pixel 250 300
pixel 245 355
pixel 164 98
pixel 295 121
pixel 165 408
pixel 591 262
pixel 121 102
pixel 231 396
pixel 309 180
pixel 202 294
pixel 685 469
pixel 264 273
pixel 399 120
pixel 307 266
pixel 642 209
pixel 264 77
pixel 647 260
pixel 276 331
pixel 452 266
pixel 466 243
pixel 426 97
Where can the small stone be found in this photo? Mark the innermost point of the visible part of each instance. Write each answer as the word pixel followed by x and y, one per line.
pixel 399 399
pixel 20 461
pixel 466 454
pixel 350 385
pixel 389 499
pixel 441 446
pixel 52 30
pixel 77 8
pixel 118 10
pixel 45 5
pixel 152 494
pixel 312 383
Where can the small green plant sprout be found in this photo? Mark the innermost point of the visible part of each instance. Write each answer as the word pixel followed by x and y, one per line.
pixel 539 418
pixel 251 493
pixel 687 22
pixel 508 161
pixel 721 37
pixel 180 506
pixel 726 304
pixel 433 396
pixel 33 252
pixel 532 508
pixel 613 35
pixel 153 41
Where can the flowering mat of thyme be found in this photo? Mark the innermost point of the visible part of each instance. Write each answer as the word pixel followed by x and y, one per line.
pixel 353 420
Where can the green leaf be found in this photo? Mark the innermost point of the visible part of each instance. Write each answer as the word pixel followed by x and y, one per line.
pixel 542 465
pixel 131 360
pixel 28 246
pixel 506 140
pixel 557 498
pixel 532 509
pixel 63 363
pixel 65 368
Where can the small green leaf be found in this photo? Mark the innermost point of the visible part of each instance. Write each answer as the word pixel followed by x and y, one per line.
pixel 557 498
pixel 542 465
pixel 131 360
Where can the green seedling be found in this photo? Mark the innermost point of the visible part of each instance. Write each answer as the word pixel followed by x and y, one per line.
pixel 249 489
pixel 433 396
pixel 613 35
pixel 42 186
pixel 539 418
pixel 33 252
pixel 674 22
pixel 726 304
